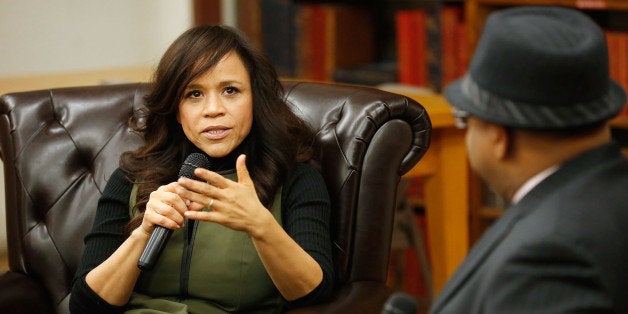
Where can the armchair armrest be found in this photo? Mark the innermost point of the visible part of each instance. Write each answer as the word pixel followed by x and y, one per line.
pixel 22 294
pixel 357 297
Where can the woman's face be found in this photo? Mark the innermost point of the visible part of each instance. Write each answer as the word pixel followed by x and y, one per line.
pixel 216 111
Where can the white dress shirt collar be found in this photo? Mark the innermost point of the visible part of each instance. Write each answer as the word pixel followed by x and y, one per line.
pixel 532 182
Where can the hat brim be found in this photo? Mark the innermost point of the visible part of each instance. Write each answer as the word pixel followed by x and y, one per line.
pixel 466 95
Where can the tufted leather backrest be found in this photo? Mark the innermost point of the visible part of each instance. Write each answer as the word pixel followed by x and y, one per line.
pixel 59 147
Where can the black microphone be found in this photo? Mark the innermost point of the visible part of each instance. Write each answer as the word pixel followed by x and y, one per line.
pixel 160 235
pixel 400 303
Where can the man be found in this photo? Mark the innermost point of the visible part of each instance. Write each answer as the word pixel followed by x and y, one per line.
pixel 536 101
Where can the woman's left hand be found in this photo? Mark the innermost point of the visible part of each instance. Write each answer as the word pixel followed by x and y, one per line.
pixel 232 204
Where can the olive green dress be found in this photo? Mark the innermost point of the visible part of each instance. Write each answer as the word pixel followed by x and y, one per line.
pixel 207 268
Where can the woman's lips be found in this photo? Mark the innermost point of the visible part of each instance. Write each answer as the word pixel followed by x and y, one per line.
pixel 216 133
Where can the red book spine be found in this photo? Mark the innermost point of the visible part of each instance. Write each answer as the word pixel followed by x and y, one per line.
pixel 612 41
pixel 318 44
pixel 622 51
pixel 463 54
pixel 420 53
pixel 403 23
pixel 411 47
pixel 617 42
pixel 449 20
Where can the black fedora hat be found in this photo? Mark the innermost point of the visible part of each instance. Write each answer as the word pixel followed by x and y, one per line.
pixel 539 67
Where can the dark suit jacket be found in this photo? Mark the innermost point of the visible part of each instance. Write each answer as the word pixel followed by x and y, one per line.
pixel 562 248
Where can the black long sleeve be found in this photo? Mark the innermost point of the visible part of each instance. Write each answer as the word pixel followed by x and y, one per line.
pixel 307 219
pixel 105 237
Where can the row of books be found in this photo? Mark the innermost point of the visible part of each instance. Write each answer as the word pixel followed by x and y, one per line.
pixel 309 40
pixel 432 46
pixel 337 42
pixel 332 36
pixel 618 58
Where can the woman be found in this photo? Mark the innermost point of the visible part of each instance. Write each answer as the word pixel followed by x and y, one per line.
pixel 260 237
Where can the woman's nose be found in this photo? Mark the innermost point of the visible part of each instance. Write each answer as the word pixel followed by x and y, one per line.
pixel 213 106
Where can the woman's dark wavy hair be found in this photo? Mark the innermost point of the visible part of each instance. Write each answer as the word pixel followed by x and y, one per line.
pixel 278 138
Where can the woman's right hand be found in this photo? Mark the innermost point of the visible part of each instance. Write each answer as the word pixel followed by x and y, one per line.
pixel 113 280
pixel 164 208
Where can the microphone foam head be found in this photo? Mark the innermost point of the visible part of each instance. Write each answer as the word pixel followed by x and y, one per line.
pixel 400 303
pixel 193 161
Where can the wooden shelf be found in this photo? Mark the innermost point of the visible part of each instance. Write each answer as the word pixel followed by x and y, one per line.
pixel 620 122
pixel 580 4
pixel 436 105
pixel 491 214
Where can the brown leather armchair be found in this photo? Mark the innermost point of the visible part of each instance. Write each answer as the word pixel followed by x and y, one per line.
pixel 59 147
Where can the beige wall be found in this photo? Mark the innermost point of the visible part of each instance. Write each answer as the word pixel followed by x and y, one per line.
pixel 58 43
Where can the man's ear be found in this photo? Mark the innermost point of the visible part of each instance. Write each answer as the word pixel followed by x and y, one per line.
pixel 499 138
pixel 502 141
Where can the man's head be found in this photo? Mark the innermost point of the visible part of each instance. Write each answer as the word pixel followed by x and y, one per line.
pixel 537 93
pixel 539 68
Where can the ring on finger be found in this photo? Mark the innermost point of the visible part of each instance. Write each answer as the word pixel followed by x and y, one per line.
pixel 211 202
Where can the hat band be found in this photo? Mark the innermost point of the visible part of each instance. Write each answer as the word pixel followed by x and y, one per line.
pixel 494 108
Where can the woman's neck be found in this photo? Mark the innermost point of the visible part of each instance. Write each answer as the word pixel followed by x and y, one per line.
pixel 222 163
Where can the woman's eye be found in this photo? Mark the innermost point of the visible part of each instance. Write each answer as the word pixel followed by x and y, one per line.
pixel 194 94
pixel 230 90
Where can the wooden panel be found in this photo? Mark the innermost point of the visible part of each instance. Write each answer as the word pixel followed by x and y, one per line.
pixel 206 12
pixel 81 78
